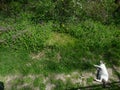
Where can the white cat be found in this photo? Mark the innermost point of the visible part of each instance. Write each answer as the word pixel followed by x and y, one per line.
pixel 102 73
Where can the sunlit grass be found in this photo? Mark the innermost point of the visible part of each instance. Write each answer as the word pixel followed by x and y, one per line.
pixel 60 40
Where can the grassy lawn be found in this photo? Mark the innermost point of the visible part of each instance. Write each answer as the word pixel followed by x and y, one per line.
pixel 37 57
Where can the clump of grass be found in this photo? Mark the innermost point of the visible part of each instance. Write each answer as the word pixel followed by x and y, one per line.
pixel 12 61
pixel 90 80
pixel 59 85
pixel 38 82
pixel 30 37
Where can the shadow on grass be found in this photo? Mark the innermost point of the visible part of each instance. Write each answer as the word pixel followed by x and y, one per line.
pixel 109 86
pixel 21 88
pixel 1 85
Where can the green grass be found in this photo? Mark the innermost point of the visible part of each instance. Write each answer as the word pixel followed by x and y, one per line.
pixel 38 82
pixel 90 80
pixel 33 49
pixel 11 61
pixel 75 47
